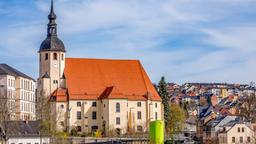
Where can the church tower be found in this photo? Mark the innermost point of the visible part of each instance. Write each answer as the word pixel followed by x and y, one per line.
pixel 51 58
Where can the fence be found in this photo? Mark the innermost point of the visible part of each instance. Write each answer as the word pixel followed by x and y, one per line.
pixel 76 140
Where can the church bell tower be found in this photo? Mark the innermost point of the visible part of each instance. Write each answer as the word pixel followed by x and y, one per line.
pixel 51 58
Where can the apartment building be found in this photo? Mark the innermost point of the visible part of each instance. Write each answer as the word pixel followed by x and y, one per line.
pixel 17 93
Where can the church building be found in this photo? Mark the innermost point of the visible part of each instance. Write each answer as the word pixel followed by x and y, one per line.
pixel 95 94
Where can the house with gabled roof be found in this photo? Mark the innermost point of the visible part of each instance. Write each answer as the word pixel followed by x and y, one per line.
pixel 236 131
pixel 95 94
pixel 214 126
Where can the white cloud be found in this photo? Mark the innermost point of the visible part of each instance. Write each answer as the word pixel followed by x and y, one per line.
pixel 138 29
pixel 240 38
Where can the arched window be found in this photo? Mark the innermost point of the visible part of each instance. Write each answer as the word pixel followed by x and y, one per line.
pixel 55 57
pixel 94 128
pixel 118 131
pixel 46 56
pixel 139 128
pixel 62 56
pixel 79 128
pixel 118 107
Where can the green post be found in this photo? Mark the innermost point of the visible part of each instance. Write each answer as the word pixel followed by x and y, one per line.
pixel 157 132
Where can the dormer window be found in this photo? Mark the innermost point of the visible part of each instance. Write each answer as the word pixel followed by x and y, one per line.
pixel 55 56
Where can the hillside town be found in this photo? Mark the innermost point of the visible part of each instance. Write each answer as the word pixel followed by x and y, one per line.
pixel 114 101
pixel 217 112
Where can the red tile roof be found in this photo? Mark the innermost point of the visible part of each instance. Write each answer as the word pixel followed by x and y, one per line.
pixel 59 95
pixel 100 78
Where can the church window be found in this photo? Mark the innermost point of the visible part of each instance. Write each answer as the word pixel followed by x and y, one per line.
pixel 155 105
pixel 78 104
pixel 78 115
pixel 156 116
pixel 46 56
pixel 40 57
pixel 241 139
pixel 55 81
pixel 139 104
pixel 62 56
pixel 79 128
pixel 94 104
pixel 139 114
pixel 139 128
pixel 117 107
pixel 94 115
pixel 55 56
pixel 118 121
pixel 94 128
pixel 118 131
pixel 248 139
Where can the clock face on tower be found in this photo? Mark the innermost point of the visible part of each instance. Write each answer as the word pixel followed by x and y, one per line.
pixel 55 64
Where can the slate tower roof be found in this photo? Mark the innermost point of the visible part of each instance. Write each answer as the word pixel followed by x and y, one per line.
pixel 52 42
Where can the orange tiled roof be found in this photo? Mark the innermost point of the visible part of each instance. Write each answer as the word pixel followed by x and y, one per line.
pixel 101 78
pixel 59 95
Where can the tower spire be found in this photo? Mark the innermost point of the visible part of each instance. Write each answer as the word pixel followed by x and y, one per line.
pixel 52 42
pixel 52 26
pixel 52 10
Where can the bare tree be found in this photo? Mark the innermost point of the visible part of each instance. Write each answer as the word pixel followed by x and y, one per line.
pixel 7 111
pixel 48 118
pixel 248 107
pixel 43 115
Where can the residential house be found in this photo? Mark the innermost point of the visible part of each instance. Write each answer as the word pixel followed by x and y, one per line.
pixel 190 126
pixel 215 125
pixel 236 132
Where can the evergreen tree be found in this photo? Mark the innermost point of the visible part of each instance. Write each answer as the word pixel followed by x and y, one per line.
pixel 163 92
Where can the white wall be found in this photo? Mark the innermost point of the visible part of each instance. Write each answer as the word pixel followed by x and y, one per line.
pixel 23 140
pixel 106 111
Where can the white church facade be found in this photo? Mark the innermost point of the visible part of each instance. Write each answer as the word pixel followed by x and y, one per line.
pixel 95 94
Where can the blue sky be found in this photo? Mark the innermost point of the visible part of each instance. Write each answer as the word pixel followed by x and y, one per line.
pixel 184 40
